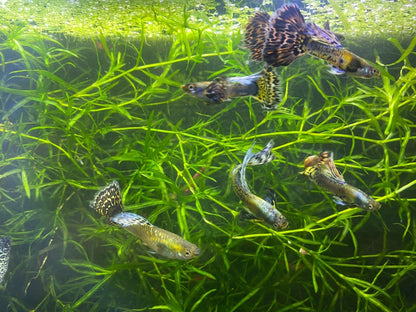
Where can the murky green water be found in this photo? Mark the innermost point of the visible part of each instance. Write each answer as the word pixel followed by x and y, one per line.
pixel 90 94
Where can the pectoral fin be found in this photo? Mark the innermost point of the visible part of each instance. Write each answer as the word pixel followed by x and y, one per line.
pixel 336 71
pixel 338 201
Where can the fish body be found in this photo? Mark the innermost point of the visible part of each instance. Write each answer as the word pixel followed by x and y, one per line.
pixel 325 175
pixel 264 86
pixel 342 60
pixel 285 36
pixel 108 202
pixel 260 208
pixel 5 245
pixel 162 242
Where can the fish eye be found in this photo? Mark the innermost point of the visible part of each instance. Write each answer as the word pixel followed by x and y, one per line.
pixel 188 253
pixel 191 87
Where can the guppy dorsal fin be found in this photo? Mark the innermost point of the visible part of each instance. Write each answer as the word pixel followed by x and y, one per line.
pixel 327 166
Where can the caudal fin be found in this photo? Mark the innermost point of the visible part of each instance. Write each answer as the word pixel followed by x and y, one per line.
pixel 256 33
pixel 269 90
pixel 253 159
pixel 286 37
pixel 263 157
pixel 108 202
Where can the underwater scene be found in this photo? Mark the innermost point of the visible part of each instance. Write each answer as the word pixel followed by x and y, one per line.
pixel 208 155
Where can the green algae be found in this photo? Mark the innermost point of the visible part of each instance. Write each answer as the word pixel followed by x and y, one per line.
pixel 76 114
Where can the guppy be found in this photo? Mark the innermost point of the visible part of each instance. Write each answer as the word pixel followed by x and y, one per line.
pixel 255 205
pixel 108 202
pixel 323 172
pixel 280 39
pixel 5 244
pixel 264 86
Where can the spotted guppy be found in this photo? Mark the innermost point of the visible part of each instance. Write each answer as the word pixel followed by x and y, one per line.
pixel 283 37
pixel 108 202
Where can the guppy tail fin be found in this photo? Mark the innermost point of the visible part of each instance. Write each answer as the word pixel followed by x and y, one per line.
pixel 269 91
pixel 259 158
pixel 286 38
pixel 254 159
pixel 108 202
pixel 256 34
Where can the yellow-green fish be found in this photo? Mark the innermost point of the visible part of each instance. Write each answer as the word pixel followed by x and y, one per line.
pixel 280 39
pixel 323 172
pixel 108 203
pixel 255 205
pixel 264 86
pixel 5 244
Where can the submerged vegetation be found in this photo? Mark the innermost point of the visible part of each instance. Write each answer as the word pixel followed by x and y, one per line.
pixel 161 18
pixel 77 114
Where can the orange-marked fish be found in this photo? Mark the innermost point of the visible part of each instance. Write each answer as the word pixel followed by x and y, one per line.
pixel 324 173
pixel 280 39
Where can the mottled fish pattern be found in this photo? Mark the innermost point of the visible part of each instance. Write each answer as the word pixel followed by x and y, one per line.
pixel 5 244
pixel 258 207
pixel 280 39
pixel 264 86
pixel 108 202
pixel 323 172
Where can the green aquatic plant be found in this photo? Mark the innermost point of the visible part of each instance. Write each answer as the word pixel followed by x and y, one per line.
pixel 364 18
pixel 77 114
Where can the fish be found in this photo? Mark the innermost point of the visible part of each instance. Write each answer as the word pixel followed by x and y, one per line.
pixel 265 210
pixel 108 203
pixel 264 86
pixel 325 174
pixel 5 245
pixel 283 37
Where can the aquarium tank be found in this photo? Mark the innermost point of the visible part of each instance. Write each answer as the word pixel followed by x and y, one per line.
pixel 91 92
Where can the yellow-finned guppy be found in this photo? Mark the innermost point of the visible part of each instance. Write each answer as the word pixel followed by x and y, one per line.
pixel 108 202
pixel 255 205
pixel 264 86
pixel 5 244
pixel 280 39
pixel 323 172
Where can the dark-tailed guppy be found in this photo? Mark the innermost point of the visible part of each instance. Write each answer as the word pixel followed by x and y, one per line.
pixel 108 202
pixel 264 86
pixel 5 244
pixel 322 171
pixel 258 207
pixel 283 37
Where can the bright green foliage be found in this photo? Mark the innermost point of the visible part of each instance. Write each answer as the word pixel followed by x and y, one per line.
pixel 366 17
pixel 77 114
pixel 124 18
